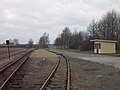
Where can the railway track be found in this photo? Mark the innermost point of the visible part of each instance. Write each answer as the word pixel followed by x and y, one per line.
pixel 58 79
pixel 7 72
pixel 9 63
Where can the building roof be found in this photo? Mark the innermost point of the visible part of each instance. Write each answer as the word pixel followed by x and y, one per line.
pixel 98 40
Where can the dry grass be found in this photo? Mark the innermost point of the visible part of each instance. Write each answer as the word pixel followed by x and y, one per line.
pixel 43 53
pixel 14 53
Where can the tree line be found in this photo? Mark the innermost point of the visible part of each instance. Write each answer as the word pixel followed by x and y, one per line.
pixel 43 42
pixel 70 40
pixel 107 28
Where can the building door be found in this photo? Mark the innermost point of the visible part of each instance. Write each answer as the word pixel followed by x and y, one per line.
pixel 97 47
pixel 97 51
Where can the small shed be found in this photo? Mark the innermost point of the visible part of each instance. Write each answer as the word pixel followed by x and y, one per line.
pixel 104 46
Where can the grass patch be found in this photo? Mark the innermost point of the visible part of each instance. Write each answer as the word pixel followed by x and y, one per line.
pixel 76 51
pixel 117 54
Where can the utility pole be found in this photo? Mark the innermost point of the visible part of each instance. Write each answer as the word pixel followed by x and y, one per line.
pixel 8 43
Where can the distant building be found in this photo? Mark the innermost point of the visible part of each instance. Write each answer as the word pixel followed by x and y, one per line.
pixel 104 46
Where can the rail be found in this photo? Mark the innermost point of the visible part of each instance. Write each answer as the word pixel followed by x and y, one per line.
pixel 68 72
pixel 3 86
pixel 13 62
pixel 50 76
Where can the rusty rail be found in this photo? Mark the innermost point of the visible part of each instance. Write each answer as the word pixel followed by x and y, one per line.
pixel 68 72
pixel 13 62
pixel 3 86
pixel 50 76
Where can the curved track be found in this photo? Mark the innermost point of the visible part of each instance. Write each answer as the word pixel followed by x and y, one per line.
pixel 58 79
pixel 53 78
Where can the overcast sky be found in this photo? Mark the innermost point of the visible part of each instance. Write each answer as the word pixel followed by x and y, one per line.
pixel 25 19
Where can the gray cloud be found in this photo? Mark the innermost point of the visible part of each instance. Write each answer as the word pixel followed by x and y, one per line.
pixel 24 19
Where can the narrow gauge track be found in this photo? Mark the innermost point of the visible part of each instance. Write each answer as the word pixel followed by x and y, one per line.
pixel 56 80
pixel 8 71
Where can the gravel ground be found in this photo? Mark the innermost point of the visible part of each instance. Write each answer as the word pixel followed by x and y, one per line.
pixel 87 75
pixel 103 59
pixel 94 72
pixel 33 73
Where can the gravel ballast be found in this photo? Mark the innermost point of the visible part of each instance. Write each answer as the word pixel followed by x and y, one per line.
pixel 34 72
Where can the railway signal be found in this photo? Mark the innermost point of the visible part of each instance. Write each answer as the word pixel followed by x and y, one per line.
pixel 8 43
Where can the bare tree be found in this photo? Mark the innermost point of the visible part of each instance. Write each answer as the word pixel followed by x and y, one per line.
pixel 44 41
pixel 93 30
pixel 69 40
pixel 16 41
pixel 106 28
pixel 65 37
pixel 30 43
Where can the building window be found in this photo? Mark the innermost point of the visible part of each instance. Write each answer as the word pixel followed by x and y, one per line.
pixel 97 46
